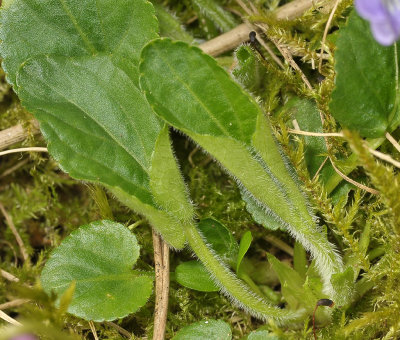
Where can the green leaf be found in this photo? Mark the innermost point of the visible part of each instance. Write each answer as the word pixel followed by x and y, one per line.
pixel 205 330
pixel 292 285
pixel 220 239
pixel 82 136
pixel 191 92
pixel 74 66
pixel 74 28
pixel 194 275
pixel 307 115
pixel 244 246
pixel 262 335
pixel 205 92
pixel 99 257
pixel 365 96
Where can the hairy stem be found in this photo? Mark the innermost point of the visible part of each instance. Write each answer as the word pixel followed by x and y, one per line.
pixel 231 286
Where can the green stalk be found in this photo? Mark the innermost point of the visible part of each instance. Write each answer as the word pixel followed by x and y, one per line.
pixel 231 286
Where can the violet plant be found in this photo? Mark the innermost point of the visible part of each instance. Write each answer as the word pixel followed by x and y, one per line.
pixel 106 90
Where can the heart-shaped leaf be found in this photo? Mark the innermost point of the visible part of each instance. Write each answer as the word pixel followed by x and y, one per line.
pixel 205 330
pixel 99 258
pixel 365 98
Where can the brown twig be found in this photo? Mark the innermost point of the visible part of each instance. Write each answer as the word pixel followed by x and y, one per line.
pixel 227 41
pixel 348 179
pixel 18 238
pixel 8 276
pixel 13 303
pixel 240 34
pixel 93 329
pixel 123 331
pixel 161 261
pixel 293 9
pixel 9 319
pixel 16 134
pixel 320 168
pixel 14 167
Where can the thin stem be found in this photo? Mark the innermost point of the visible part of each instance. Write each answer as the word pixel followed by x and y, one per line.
pixel 161 260
pixel 348 179
pixel 9 319
pixel 33 148
pixel 18 238
pixel 13 303
pixel 328 24
pixel 122 331
pixel 231 286
pixel 348 166
pixel 384 157
pixel 8 276
pixel 394 142
pixel 93 329
pixel 315 134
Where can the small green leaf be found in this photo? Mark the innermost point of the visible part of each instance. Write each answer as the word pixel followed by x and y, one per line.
pixel 194 275
pixel 292 285
pixel 244 246
pixel 220 239
pixel 262 335
pixel 307 115
pixel 205 330
pixel 99 257
pixel 365 97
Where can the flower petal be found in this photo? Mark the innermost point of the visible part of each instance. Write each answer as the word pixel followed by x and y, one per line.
pixel 384 32
pixel 371 9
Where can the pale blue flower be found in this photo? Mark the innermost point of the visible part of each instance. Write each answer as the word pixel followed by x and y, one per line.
pixel 384 17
